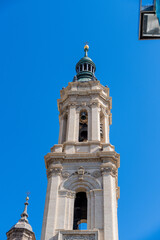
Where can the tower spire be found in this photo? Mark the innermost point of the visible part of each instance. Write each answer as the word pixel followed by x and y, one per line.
pixel 22 229
pixel 24 215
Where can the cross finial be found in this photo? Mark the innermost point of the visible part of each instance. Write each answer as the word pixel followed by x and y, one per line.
pixel 86 48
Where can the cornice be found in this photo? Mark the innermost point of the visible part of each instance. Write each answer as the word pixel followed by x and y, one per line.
pixel 104 157
pixel 109 169
pixel 54 170
pixel 19 233
pixel 71 104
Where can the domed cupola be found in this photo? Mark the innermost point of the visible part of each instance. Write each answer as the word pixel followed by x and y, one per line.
pixel 85 68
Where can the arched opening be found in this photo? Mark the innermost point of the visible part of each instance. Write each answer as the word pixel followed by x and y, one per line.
pixel 83 126
pixel 80 211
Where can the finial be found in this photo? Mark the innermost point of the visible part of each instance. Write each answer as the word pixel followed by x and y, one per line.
pixel 24 215
pixel 86 48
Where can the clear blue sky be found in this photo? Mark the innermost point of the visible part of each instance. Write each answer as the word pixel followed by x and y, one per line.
pixel 40 43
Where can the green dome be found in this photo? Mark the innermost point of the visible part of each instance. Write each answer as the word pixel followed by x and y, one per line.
pixel 85 68
pixel 86 60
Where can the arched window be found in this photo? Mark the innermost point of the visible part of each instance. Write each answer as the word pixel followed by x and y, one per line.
pixel 83 126
pixel 80 67
pixel 89 67
pixel 80 211
pixel 85 66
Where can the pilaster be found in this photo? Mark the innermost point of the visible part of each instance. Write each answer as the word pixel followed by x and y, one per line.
pixel 110 202
pixel 71 123
pixel 95 122
pixel 51 203
pixel 106 128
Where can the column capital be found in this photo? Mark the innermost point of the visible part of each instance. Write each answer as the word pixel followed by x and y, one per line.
pixel 95 104
pixel 54 170
pixel 109 169
pixel 67 193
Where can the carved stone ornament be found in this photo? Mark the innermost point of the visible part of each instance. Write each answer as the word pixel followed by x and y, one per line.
pixel 54 169
pixel 96 174
pixel 109 168
pixel 81 172
pixel 79 237
pixel 65 174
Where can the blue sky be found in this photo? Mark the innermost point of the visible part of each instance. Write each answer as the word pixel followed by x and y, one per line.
pixel 40 44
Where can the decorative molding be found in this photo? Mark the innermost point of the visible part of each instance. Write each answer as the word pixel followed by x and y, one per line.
pixel 81 173
pixel 67 193
pixel 96 174
pixel 81 180
pixel 65 174
pixel 54 169
pixel 109 168
pixel 79 237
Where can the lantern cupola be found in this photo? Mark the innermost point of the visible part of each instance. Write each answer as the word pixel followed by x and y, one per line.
pixel 85 68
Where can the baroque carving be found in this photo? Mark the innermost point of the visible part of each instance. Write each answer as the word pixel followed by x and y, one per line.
pixel 67 193
pixel 109 168
pixel 54 169
pixel 65 174
pixel 87 182
pixel 79 237
pixel 96 174
pixel 81 172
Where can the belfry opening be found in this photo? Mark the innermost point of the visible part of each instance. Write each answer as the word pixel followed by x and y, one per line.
pixel 83 126
pixel 80 211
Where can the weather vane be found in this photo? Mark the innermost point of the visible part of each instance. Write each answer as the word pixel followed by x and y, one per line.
pixel 86 43
pixel 27 193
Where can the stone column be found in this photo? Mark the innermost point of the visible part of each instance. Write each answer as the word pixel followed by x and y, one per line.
pixel 98 195
pixel 65 210
pixel 71 199
pixel 92 209
pixel 110 202
pixel 77 127
pixel 62 210
pixel 51 203
pixel 95 122
pixel 89 125
pixel 106 128
pixel 88 211
pixel 61 123
pixel 71 123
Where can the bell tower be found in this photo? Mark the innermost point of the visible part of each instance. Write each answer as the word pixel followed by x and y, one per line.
pixel 82 169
